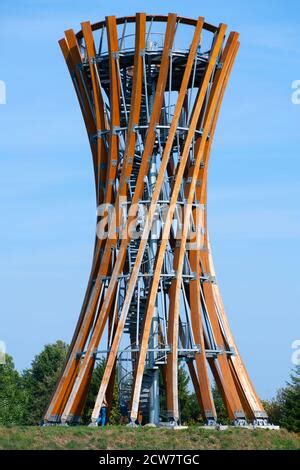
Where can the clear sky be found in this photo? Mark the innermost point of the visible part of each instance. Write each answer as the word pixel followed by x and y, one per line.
pixel 46 178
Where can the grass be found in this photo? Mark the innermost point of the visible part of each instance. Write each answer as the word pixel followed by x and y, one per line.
pixel 121 437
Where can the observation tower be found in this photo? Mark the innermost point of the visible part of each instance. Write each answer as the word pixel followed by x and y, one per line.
pixel 150 89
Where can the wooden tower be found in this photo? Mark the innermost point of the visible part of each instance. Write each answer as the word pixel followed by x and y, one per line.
pixel 150 89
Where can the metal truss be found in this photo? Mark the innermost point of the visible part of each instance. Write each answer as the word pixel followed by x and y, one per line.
pixel 150 90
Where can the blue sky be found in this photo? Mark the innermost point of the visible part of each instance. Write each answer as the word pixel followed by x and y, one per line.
pixel 46 179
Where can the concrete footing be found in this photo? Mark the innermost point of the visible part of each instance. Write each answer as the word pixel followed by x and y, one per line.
pixel 132 424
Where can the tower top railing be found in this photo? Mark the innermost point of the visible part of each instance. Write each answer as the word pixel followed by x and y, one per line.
pixel 157 18
pixel 155 41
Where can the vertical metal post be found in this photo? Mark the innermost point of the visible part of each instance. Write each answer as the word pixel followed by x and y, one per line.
pixel 154 388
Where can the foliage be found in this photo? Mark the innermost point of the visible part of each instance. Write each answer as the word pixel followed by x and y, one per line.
pixel 220 407
pixel 188 404
pixel 114 417
pixel 190 411
pixel 183 393
pixel 24 397
pixel 285 408
pixel 13 395
pixel 41 378
pixel 189 407
pixel 291 403
pixel 274 407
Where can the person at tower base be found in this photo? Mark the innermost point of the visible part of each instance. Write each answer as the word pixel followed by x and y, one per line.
pixel 123 411
pixel 103 414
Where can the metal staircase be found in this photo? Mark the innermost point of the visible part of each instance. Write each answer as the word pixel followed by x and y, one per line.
pixel 125 389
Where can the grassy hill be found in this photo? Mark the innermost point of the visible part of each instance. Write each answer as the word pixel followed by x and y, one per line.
pixel 120 437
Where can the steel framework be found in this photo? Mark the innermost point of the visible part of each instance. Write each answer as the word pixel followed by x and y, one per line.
pixel 150 95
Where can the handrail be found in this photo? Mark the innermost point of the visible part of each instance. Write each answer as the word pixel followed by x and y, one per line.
pixel 158 18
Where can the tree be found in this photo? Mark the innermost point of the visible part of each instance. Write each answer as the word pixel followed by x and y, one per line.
pixel 291 402
pixel 114 417
pixel 274 407
pixel 191 412
pixel 13 395
pixel 41 378
pixel 23 398
pixel 284 409
pixel 222 415
pixel 188 403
